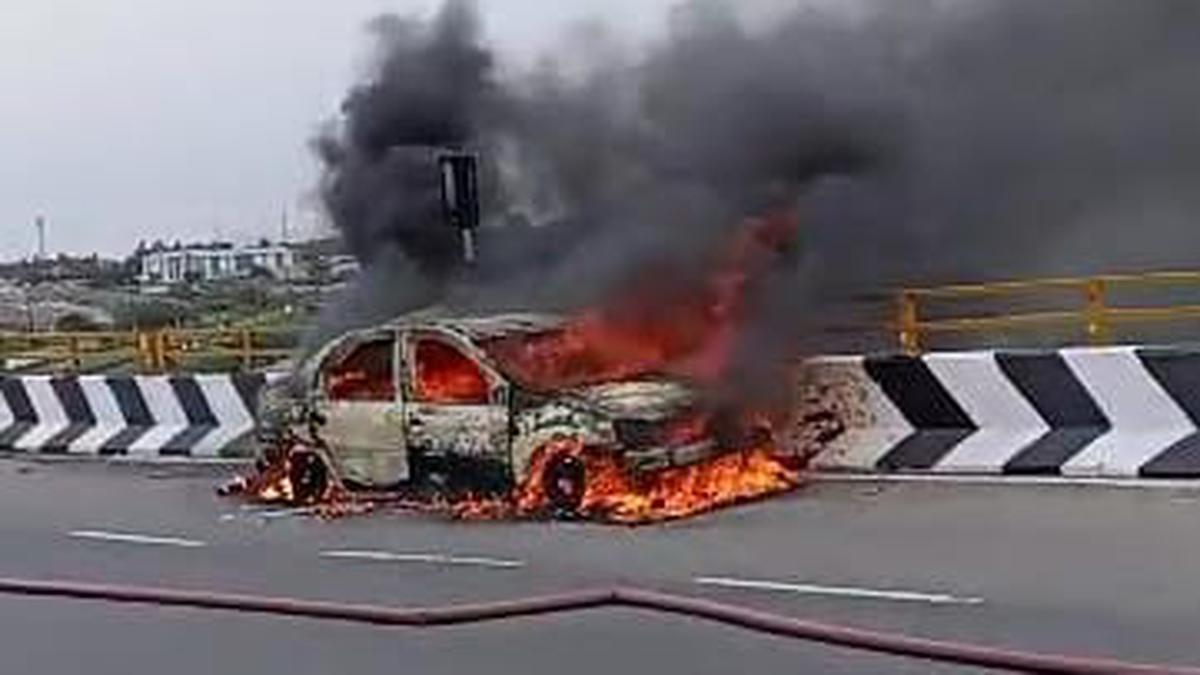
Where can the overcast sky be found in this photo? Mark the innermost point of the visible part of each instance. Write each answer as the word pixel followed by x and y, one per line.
pixel 143 119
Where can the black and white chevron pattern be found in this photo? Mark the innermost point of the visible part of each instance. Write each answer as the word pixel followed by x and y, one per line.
pixel 1122 411
pixel 139 416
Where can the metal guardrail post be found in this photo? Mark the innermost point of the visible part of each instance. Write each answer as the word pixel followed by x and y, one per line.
pixel 76 359
pixel 910 329
pixel 141 348
pixel 247 346
pixel 1099 331
pixel 158 351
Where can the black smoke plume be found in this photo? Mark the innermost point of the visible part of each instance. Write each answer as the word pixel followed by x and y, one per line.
pixel 919 142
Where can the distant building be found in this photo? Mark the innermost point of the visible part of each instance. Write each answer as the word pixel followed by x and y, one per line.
pixel 213 262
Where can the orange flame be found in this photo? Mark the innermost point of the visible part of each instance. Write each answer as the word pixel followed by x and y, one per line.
pixel 679 328
pixel 445 376
pixel 271 483
pixel 615 494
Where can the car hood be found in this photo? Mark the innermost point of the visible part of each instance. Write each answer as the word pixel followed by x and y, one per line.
pixel 642 399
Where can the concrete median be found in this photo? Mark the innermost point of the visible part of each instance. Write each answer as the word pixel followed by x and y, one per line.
pixel 1093 412
pixel 1088 412
pixel 151 416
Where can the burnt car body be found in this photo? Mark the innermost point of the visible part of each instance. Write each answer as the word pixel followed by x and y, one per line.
pixel 428 401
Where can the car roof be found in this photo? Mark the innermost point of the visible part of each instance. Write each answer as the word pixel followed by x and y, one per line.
pixel 477 327
pixel 480 326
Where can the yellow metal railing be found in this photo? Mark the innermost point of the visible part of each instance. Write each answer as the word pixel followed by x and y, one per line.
pixel 145 351
pixel 1090 307
pixel 1089 299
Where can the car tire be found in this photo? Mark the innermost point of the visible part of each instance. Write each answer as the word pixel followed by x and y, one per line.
pixel 564 483
pixel 309 477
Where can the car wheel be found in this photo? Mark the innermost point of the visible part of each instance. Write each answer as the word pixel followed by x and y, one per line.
pixel 564 483
pixel 309 477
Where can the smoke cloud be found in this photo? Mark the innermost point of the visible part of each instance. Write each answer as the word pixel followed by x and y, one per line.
pixel 919 142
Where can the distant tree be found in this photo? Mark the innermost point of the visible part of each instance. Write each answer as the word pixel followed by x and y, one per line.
pixel 121 273
pixel 149 314
pixel 76 322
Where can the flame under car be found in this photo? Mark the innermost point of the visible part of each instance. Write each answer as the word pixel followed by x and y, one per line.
pixel 465 406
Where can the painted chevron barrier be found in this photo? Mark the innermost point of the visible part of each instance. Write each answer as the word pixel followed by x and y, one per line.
pixel 1121 411
pixel 137 416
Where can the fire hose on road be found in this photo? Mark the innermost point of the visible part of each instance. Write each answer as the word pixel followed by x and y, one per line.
pixel 762 622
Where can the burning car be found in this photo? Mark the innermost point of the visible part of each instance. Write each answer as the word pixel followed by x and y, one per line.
pixel 618 412
pixel 512 405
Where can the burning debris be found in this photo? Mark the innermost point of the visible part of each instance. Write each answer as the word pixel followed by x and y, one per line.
pixel 612 494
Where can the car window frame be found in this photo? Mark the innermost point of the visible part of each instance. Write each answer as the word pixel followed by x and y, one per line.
pixel 498 386
pixel 349 347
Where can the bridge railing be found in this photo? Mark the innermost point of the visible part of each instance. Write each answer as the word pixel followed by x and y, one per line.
pixel 1097 309
pixel 154 351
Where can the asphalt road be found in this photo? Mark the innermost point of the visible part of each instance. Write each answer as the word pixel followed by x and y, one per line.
pixel 1090 571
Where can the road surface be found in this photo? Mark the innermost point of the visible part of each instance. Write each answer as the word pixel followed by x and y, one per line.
pixel 1091 571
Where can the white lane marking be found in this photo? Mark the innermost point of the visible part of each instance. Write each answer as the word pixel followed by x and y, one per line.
pixel 838 591
pixel 427 558
pixel 134 538
pixel 1007 480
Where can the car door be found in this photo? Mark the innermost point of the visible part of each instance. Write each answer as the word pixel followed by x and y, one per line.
pixel 364 412
pixel 457 406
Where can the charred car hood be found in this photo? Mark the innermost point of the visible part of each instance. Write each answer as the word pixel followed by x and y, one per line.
pixel 643 399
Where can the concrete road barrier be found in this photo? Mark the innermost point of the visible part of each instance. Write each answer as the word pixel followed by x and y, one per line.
pixel 138 416
pixel 1091 412
pixel 1096 412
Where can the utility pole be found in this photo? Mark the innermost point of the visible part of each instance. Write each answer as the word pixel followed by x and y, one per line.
pixel 40 224
pixel 30 316
pixel 287 262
